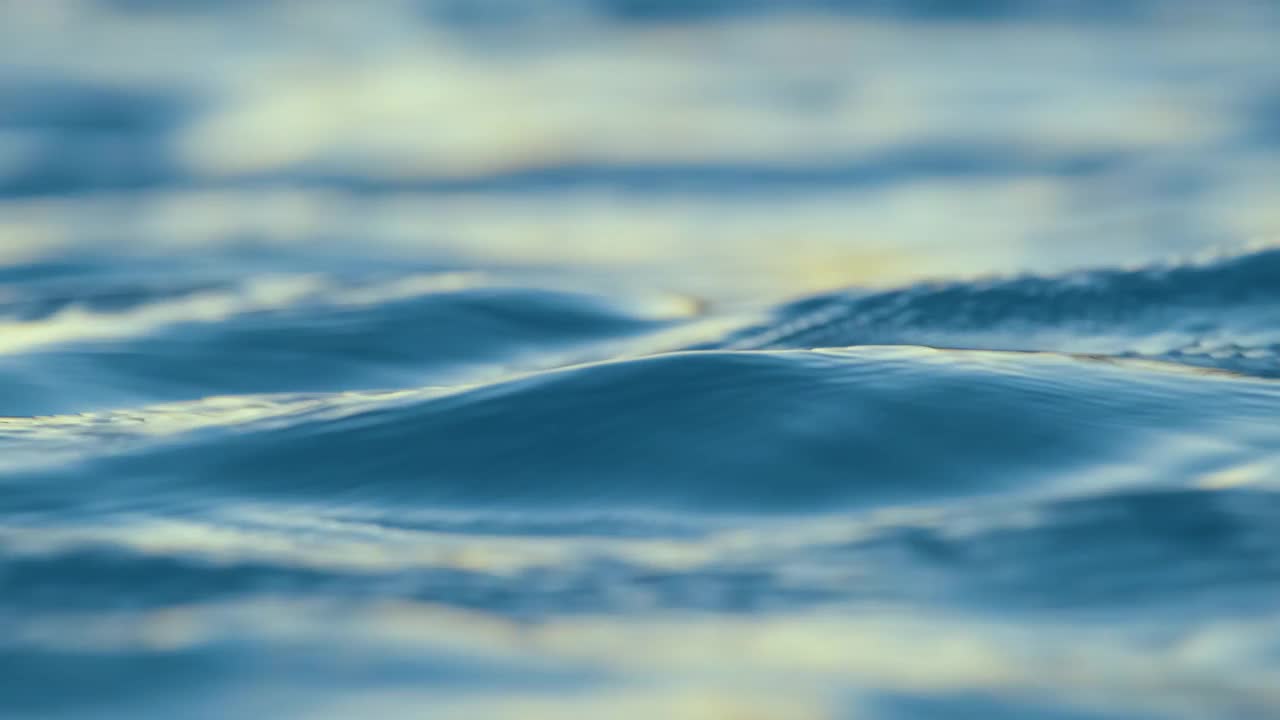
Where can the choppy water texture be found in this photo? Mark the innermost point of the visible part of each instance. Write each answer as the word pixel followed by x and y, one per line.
pixel 604 359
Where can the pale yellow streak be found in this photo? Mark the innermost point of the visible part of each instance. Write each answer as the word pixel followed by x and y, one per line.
pixel 688 663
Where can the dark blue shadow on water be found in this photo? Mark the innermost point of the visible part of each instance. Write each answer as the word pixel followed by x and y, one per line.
pixel 82 136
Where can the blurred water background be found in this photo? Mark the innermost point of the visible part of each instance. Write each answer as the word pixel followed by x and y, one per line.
pixel 701 359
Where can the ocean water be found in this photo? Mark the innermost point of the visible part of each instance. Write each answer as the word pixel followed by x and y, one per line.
pixel 614 359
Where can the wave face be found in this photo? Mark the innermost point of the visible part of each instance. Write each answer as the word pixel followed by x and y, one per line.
pixel 1220 314
pixel 639 359
pixel 591 501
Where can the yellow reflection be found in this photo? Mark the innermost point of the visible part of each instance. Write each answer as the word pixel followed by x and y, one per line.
pixel 776 666
pixel 79 324
pixel 746 91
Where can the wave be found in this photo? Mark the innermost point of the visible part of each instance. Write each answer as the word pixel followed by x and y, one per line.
pixel 1223 313
pixel 1190 550
pixel 302 334
pixel 1003 501
pixel 729 432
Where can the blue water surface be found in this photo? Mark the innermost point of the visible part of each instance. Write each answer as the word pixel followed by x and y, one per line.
pixel 822 360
